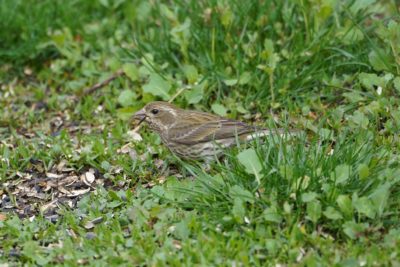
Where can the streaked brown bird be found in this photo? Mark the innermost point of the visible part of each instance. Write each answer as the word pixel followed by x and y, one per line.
pixel 193 134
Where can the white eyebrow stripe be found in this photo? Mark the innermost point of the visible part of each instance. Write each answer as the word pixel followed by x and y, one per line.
pixel 173 112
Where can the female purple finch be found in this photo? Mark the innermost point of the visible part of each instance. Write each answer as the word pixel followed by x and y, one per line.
pixel 193 134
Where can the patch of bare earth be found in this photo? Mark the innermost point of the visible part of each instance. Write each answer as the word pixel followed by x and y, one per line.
pixel 35 192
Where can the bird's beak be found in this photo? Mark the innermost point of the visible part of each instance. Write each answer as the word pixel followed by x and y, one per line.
pixel 140 116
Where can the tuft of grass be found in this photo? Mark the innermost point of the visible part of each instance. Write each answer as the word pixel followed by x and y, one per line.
pixel 26 26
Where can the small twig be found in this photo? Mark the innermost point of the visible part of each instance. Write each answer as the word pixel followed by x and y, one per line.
pixel 177 94
pixel 103 83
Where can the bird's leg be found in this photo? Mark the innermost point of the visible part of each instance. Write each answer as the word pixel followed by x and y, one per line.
pixel 206 167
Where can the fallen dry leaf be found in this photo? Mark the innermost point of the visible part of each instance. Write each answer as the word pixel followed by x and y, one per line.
pixel 3 217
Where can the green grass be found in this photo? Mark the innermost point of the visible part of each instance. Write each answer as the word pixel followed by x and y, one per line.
pixel 327 198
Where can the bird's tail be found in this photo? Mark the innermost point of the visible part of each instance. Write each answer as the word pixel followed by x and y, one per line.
pixel 283 133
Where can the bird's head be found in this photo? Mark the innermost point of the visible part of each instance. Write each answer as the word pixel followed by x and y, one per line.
pixel 159 115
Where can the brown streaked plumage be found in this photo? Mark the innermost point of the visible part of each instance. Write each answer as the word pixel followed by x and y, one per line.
pixel 192 134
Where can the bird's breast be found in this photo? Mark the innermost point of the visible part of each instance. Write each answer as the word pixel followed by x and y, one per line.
pixel 201 150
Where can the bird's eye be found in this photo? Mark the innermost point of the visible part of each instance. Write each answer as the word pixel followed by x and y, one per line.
pixel 154 111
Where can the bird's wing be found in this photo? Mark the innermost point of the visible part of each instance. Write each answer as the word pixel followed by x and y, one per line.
pixel 197 127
